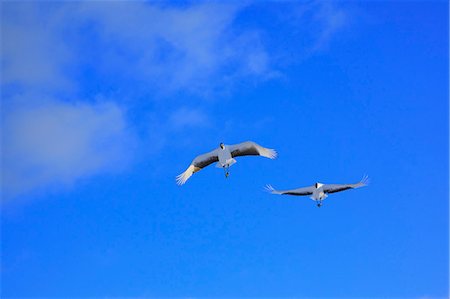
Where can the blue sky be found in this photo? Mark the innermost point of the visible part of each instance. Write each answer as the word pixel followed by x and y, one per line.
pixel 104 103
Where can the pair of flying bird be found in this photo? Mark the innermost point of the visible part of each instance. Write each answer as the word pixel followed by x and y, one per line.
pixel 224 156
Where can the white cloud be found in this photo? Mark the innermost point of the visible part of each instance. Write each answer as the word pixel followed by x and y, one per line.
pixel 184 118
pixel 33 53
pixel 332 19
pixel 189 48
pixel 56 143
pixel 199 47
pixel 170 48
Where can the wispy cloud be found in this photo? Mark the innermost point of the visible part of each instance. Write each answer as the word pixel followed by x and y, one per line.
pixel 332 18
pixel 190 48
pixel 33 52
pixel 185 118
pixel 56 143
pixel 194 47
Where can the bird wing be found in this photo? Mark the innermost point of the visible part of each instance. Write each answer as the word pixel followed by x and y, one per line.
pixel 298 192
pixel 198 164
pixel 333 188
pixel 250 148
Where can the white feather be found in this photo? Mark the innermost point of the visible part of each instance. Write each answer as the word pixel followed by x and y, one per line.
pixel 182 178
pixel 270 189
pixel 267 152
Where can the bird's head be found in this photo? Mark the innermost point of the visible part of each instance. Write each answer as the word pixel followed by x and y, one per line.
pixel 318 185
pixel 222 146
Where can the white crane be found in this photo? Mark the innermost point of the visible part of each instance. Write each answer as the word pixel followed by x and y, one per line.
pixel 319 191
pixel 225 155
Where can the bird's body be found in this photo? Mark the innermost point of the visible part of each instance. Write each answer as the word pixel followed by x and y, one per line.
pixel 318 191
pixel 224 156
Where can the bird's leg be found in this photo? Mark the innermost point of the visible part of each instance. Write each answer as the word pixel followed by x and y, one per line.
pixel 225 169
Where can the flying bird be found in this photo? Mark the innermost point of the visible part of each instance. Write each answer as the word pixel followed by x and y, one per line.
pixel 319 191
pixel 224 156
